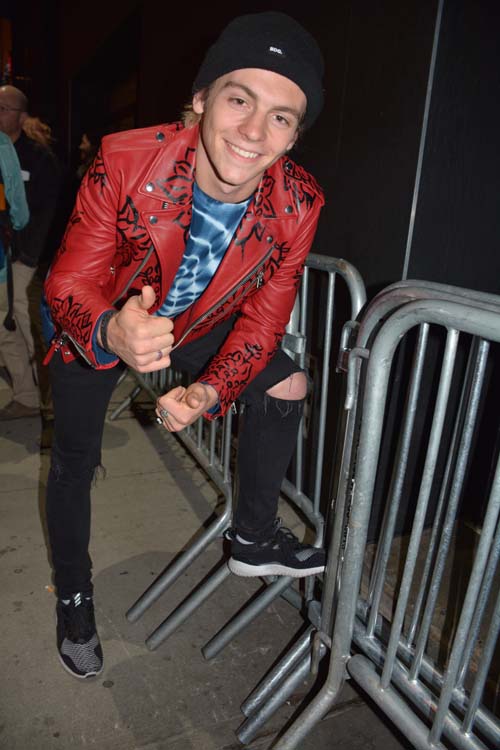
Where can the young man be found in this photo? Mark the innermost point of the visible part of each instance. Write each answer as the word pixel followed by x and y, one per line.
pixel 186 247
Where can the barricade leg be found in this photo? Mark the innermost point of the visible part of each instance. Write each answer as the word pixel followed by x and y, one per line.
pixel 172 573
pixel 272 680
pixel 188 606
pixel 216 529
pixel 248 729
pixel 245 617
pixel 125 403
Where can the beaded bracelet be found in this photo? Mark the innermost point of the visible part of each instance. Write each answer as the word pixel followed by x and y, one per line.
pixel 103 329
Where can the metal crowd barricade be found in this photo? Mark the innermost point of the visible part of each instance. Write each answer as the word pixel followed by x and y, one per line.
pixel 211 446
pixel 378 625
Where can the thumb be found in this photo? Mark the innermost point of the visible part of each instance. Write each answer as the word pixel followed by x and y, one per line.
pixel 147 297
pixel 193 398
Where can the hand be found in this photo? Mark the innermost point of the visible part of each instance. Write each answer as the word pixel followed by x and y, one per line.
pixel 138 337
pixel 185 405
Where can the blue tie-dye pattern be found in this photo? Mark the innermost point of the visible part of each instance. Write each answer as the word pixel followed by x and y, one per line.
pixel 213 225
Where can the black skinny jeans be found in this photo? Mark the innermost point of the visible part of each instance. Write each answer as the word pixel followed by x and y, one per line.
pixel 81 395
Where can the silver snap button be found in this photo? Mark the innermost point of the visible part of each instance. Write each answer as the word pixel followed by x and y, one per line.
pixel 288 210
pixel 150 187
pixel 160 136
pixel 153 219
pixel 269 238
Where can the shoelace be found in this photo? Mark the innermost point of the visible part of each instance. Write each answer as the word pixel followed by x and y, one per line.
pixel 79 620
pixel 279 533
pixel 284 535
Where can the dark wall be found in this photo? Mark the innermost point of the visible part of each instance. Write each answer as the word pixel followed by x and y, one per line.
pixel 35 53
pixel 457 229
pixel 70 57
pixel 367 145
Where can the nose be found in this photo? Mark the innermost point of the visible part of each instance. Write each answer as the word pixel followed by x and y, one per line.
pixel 253 126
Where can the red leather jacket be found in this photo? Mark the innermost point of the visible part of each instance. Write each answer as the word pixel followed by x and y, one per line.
pixel 129 228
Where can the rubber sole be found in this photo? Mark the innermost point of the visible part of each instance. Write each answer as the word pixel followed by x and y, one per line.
pixel 78 676
pixel 270 569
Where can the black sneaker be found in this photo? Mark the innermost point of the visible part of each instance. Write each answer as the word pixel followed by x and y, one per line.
pixel 281 555
pixel 77 640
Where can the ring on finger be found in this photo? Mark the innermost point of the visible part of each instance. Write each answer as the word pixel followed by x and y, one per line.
pixel 163 414
pixel 159 355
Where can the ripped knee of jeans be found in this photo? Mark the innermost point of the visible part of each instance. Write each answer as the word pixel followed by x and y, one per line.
pixel 292 388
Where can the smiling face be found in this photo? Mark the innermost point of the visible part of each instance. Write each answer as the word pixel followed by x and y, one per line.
pixel 249 119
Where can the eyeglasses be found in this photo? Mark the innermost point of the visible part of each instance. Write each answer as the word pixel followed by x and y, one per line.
pixel 3 108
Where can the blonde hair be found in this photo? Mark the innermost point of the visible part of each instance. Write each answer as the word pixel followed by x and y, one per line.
pixel 189 117
pixel 38 131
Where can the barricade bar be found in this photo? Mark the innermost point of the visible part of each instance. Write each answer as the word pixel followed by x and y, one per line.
pixel 373 647
pixel 432 702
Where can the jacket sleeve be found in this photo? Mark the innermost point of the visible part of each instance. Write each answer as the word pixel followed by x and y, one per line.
pixel 14 186
pixel 76 283
pixel 263 317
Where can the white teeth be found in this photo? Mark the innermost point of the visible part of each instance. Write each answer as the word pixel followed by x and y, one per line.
pixel 246 154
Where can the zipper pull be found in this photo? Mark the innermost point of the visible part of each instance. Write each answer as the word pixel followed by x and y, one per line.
pixel 58 343
pixel 54 347
pixel 234 408
pixel 260 279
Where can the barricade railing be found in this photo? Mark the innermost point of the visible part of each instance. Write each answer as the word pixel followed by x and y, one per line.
pixel 428 666
pixel 211 446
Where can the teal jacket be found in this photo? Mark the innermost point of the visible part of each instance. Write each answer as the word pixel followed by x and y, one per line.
pixel 13 182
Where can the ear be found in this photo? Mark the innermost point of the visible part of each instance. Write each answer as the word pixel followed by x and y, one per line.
pixel 293 142
pixel 22 118
pixel 199 103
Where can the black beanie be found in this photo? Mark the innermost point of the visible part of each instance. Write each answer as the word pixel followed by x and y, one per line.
pixel 272 41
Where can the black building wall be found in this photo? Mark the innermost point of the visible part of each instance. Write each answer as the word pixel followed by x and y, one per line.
pixel 457 228
pixel 364 148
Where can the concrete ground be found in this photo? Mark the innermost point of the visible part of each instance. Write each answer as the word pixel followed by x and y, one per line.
pixel 151 503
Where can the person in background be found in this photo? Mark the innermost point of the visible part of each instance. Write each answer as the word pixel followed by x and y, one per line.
pixel 38 131
pixel 186 247
pixel 14 215
pixel 88 148
pixel 41 177
pixel 13 202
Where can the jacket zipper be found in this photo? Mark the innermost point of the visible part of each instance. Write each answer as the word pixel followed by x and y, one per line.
pixel 136 274
pixel 258 283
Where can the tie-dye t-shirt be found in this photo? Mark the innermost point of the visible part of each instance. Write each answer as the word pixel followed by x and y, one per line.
pixel 213 225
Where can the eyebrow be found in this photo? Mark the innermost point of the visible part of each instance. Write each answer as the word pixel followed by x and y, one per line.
pixel 253 95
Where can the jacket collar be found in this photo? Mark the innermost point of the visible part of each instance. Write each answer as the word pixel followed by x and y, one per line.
pixel 172 174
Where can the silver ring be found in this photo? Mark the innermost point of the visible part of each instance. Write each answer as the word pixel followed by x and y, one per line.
pixel 163 413
pixel 159 355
